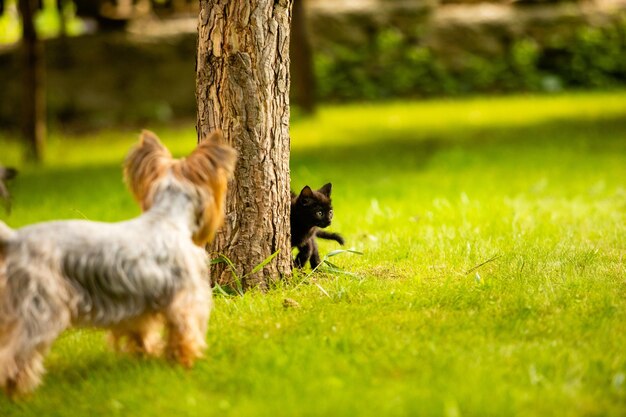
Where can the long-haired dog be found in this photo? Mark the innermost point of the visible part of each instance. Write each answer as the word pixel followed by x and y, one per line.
pixel 128 277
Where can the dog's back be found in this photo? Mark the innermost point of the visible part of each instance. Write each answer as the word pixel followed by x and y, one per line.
pixel 115 270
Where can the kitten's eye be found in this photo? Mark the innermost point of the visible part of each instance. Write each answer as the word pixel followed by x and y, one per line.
pixel 319 214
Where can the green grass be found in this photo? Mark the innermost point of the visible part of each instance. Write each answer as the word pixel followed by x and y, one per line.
pixel 427 191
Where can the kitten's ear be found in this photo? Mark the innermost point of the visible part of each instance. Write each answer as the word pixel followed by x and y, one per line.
pixel 306 192
pixel 326 189
pixel 306 195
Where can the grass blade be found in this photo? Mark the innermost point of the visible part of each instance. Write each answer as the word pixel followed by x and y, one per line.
pixel 339 251
pixel 263 263
pixel 224 259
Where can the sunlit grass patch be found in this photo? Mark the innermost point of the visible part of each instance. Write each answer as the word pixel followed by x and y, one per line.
pixel 492 280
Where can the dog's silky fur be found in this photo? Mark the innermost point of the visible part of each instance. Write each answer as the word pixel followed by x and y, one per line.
pixel 130 277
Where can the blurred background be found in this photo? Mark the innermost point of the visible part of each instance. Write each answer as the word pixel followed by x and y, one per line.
pixel 131 62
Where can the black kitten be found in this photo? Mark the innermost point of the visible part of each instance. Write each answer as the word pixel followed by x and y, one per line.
pixel 310 211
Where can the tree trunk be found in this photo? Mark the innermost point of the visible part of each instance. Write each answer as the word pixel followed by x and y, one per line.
pixel 302 74
pixel 242 88
pixel 34 92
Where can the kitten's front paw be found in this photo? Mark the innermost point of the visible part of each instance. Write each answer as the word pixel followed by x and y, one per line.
pixel 340 240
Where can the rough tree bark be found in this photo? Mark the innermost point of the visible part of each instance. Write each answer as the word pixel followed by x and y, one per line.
pixel 242 88
pixel 34 92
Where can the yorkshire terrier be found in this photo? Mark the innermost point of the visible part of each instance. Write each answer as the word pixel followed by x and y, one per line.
pixel 129 277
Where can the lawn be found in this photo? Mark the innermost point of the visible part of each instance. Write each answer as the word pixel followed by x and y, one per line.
pixel 492 280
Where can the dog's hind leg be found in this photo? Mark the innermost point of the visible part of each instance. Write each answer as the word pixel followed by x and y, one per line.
pixel 141 336
pixel 23 372
pixel 21 361
pixel 187 319
pixel 32 316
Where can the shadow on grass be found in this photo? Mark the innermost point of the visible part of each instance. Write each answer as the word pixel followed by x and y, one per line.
pixel 407 149
pixel 107 378
pixel 103 366
pixel 98 193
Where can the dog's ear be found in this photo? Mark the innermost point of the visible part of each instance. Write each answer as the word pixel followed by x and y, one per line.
pixel 150 139
pixel 209 167
pixel 326 189
pixel 215 136
pixel 211 155
pixel 144 164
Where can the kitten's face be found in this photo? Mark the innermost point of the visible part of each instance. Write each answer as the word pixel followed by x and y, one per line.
pixel 316 205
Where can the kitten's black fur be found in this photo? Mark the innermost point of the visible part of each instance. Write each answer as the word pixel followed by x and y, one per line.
pixel 310 211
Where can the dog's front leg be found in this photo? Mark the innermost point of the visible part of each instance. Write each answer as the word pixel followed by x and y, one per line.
pixel 187 320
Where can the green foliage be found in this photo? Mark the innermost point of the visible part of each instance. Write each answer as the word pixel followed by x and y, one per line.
pixel 596 57
pixel 491 283
pixel 395 65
